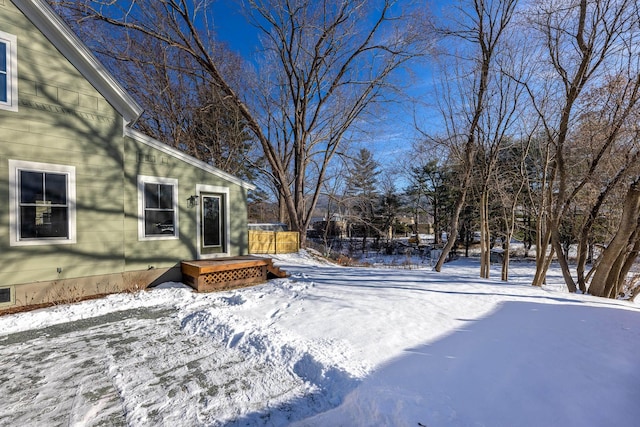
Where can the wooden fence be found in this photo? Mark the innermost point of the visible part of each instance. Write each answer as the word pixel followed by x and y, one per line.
pixel 273 242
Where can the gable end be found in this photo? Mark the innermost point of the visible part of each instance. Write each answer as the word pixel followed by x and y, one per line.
pixel 63 38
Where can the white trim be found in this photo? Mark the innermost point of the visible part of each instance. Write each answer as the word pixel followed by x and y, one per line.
pixel 203 188
pixel 144 179
pixel 64 39
pixel 154 143
pixel 12 72
pixel 15 166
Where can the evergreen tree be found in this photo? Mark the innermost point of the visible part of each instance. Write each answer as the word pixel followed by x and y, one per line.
pixel 428 194
pixel 387 211
pixel 361 192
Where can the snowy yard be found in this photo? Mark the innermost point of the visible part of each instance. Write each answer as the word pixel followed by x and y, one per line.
pixel 329 346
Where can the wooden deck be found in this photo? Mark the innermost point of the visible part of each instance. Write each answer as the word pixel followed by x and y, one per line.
pixel 228 273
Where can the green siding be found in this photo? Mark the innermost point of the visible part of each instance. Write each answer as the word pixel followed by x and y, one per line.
pixel 165 253
pixel 63 119
pixel 52 126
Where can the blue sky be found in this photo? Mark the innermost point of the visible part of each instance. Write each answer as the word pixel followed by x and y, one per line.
pixel 393 136
pixel 232 28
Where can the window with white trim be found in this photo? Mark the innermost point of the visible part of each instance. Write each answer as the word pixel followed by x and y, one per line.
pixel 8 72
pixel 158 209
pixel 43 207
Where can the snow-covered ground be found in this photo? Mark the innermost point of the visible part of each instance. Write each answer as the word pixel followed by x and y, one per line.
pixel 329 346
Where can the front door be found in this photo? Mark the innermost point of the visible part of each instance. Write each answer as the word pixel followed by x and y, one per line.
pixel 212 238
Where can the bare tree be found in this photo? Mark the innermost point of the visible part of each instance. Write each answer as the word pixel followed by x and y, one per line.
pixel 481 26
pixel 334 223
pixel 510 183
pixel 494 132
pixel 329 62
pixel 607 160
pixel 622 250
pixel 584 41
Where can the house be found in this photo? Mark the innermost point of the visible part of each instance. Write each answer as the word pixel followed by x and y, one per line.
pixel 89 205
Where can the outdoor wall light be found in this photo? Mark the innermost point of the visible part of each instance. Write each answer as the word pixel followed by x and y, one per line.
pixel 192 201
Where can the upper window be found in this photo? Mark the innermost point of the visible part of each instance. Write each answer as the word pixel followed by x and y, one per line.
pixel 158 210
pixel 43 203
pixel 8 72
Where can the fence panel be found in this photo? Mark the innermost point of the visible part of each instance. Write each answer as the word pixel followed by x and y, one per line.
pixel 273 242
pixel 287 242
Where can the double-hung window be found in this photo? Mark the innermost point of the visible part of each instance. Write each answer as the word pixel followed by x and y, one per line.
pixel 43 203
pixel 8 72
pixel 158 210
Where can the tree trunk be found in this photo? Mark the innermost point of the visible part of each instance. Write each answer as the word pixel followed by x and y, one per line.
pixel 510 224
pixel 455 222
pixel 606 278
pixel 613 278
pixel 585 248
pixel 631 256
pixel 488 28
pixel 485 237
pixel 543 238
pixel 623 266
pixel 282 210
pixel 563 261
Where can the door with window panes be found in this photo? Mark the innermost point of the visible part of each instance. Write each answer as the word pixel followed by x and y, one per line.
pixel 212 228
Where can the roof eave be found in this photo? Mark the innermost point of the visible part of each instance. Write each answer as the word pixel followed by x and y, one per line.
pixel 154 143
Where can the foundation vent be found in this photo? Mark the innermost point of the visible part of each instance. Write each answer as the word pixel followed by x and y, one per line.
pixel 6 295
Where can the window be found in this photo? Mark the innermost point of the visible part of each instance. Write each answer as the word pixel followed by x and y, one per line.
pixel 158 213
pixel 8 72
pixel 43 203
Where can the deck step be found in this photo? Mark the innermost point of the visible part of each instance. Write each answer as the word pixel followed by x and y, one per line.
pixel 274 272
pixel 228 273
